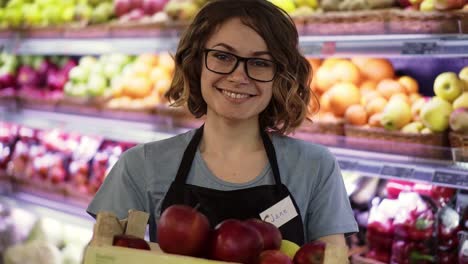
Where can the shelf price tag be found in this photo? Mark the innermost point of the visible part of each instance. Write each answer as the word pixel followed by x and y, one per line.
pixel 312 49
pixel 419 48
pixel 400 172
pixel 457 179
pixel 328 48
pixel 347 164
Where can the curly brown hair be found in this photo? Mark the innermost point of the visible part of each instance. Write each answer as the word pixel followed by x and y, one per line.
pixel 292 99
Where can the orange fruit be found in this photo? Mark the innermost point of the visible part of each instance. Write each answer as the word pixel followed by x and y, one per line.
pixel 368 85
pixel 376 69
pixel 368 96
pixel 323 78
pixel 401 96
pixel 148 59
pixel 137 87
pixel 329 62
pixel 375 105
pixel 389 87
pixel 356 115
pixel 374 120
pixel 346 71
pixel 314 63
pixel 167 62
pixel 343 95
pixel 325 101
pixel 334 71
pixel 359 61
pixel 409 83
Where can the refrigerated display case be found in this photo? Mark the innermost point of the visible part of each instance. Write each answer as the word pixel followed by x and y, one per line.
pixel 418 50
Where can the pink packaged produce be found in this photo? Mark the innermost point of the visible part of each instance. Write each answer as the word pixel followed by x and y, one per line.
pixel 8 138
pixel 103 161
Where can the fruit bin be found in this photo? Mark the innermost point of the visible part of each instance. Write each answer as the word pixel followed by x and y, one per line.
pixel 459 144
pixel 108 226
pixel 377 139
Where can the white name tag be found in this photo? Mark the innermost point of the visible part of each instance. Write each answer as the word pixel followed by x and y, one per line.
pixel 280 213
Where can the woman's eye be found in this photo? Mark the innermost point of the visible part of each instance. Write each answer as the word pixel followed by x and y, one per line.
pixel 223 56
pixel 261 63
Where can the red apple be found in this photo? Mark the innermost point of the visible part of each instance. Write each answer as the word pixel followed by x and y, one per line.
pixel 274 257
pixel 153 6
pixel 183 230
pixel 270 233
pixel 311 253
pixel 236 241
pixel 130 241
pixel 121 7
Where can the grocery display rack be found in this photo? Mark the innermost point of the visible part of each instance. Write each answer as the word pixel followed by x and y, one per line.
pixel 373 164
pixel 147 126
pixel 394 45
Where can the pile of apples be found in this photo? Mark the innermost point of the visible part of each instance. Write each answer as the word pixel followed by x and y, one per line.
pixel 357 91
pixel 142 83
pixel 41 13
pixel 183 230
pixel 297 7
pixel 156 10
pixel 366 92
pixel 433 5
pixel 449 107
pixel 92 77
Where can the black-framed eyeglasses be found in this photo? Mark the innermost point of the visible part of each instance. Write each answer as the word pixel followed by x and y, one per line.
pixel 223 62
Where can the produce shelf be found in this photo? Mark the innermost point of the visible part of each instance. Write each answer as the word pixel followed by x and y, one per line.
pixel 367 163
pixel 383 45
pixel 394 46
pixel 45 205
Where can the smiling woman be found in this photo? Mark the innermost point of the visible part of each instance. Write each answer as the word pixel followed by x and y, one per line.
pixel 238 64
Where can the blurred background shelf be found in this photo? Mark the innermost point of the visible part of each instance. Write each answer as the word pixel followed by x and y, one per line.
pixel 390 45
pixel 444 172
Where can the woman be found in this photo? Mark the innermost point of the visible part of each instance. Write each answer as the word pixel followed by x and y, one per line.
pixel 238 65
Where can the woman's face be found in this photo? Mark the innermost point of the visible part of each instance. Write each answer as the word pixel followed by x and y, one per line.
pixel 235 96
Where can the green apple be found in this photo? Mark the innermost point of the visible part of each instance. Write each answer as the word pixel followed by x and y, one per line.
pixel 289 248
pixel 111 70
pixel 78 74
pixel 447 86
pixel 97 84
pixel 427 6
pixel 413 127
pixel 309 3
pixel 426 131
pixel 461 101
pixel 463 75
pixel 286 5
pixel 459 120
pixel 436 113
pixel 396 114
pixel 87 61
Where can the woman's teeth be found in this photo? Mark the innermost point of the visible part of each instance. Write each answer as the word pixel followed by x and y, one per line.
pixel 235 95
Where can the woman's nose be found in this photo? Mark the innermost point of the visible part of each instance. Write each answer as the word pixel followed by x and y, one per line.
pixel 239 74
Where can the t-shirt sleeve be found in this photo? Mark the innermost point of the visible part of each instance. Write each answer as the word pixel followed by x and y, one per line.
pixel 124 187
pixel 329 211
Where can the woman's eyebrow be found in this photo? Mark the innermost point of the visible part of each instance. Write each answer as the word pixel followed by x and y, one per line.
pixel 232 49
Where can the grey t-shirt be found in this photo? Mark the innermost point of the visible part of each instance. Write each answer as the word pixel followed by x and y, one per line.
pixel 143 174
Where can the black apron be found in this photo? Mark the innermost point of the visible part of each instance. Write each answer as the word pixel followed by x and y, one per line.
pixel 238 204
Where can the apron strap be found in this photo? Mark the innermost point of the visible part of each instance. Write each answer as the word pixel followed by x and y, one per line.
pixel 187 159
pixel 271 154
pixel 191 149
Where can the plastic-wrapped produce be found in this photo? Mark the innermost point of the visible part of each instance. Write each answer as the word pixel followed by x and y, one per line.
pixel 8 235
pixel 38 252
